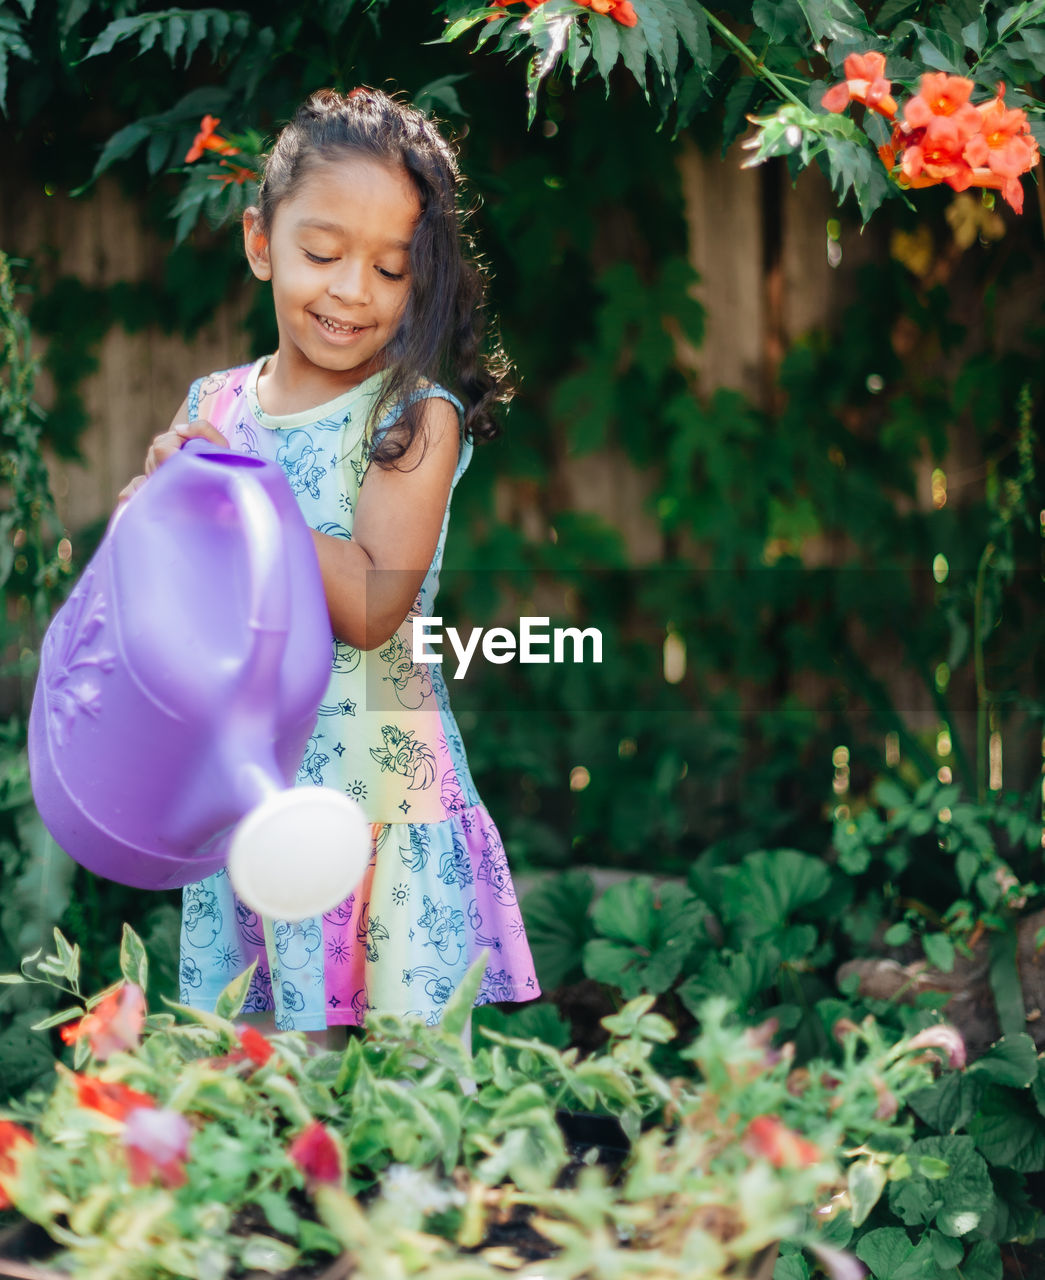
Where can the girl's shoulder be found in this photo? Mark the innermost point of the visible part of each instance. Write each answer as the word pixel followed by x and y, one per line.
pixel 425 390
pixel 211 395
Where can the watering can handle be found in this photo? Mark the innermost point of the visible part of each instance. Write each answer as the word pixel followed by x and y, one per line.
pixel 269 589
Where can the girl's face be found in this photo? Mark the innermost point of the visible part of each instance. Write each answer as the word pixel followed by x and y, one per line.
pixel 338 256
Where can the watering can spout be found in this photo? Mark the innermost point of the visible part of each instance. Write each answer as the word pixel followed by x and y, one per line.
pixel 179 684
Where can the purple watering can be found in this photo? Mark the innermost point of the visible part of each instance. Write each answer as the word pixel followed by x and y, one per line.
pixel 178 689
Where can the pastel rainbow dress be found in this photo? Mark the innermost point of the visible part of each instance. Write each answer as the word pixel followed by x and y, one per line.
pixel 437 891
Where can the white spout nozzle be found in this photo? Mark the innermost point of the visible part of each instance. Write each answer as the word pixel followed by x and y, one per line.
pixel 299 852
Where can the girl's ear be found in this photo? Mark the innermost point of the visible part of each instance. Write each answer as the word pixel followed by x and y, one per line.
pixel 256 244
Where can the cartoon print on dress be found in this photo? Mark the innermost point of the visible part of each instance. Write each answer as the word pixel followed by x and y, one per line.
pixel 361 1005
pixel 455 866
pixel 420 848
pixel 259 994
pixel 345 658
pixel 402 754
pixel 334 530
pixel 297 943
pixel 342 913
pixel 493 869
pixel 191 974
pixel 203 918
pixel 314 761
pixel 369 933
pixel 333 423
pixel 291 1001
pixel 211 385
pixel 247 438
pixel 475 923
pixel 412 681
pixel 250 925
pixel 359 468
pixel 438 987
pixel 495 987
pixel 299 460
pixel 451 794
pixel 445 926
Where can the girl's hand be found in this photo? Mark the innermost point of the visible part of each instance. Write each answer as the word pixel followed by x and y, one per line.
pixel 167 444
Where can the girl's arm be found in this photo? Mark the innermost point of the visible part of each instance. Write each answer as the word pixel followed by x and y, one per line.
pixel 398 517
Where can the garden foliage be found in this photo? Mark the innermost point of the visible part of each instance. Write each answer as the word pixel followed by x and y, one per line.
pixel 182 1143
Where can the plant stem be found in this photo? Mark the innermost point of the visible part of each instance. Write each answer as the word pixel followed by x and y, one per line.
pixel 751 58
pixel 982 696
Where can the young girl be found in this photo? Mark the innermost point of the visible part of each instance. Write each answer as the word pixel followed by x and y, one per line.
pixel 357 229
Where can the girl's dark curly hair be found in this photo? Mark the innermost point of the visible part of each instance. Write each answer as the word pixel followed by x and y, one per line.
pixel 440 336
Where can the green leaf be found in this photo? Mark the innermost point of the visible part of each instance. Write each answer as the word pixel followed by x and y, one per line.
pixel 633 51
pixel 134 963
pixel 1013 1060
pixel 233 997
pixel 605 44
pixel 177 29
pixel 121 144
pixel 791 1266
pixel 884 1250
pixel 1005 983
pixel 836 20
pixel 779 19
pixel 897 934
pixel 966 865
pixel 983 1263
pixel 458 1009
pixel 1009 1131
pixel 769 887
pixel 940 51
pixel 56 1019
pixel 955 1203
pixel 975 35
pixel 889 794
pixel 939 951
pixel 558 925
pixel 866 1182
pixel 950 1103
pixel 947 1253
pixel 692 25
pixel 462 25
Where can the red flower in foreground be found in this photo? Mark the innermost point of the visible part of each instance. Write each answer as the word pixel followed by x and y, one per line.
pixel 208 140
pixel 770 1138
pixel 316 1154
pixel 941 95
pixel 253 1045
pixel 110 1098
pixel 619 10
pixel 12 1137
pixel 938 153
pixel 157 1143
pixel 864 82
pixel 114 1023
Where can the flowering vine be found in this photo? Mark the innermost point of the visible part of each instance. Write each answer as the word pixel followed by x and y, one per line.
pixel 207 139
pixel 619 10
pixel 941 136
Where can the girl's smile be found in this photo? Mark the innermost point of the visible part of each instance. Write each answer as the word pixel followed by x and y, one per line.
pixel 338 256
